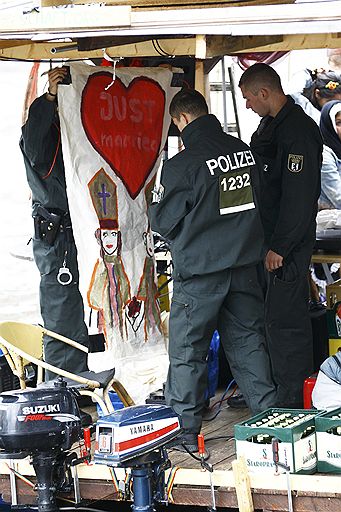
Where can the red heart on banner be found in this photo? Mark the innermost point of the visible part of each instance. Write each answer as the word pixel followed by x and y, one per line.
pixel 124 125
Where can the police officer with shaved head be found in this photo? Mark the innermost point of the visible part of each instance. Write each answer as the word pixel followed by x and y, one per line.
pixel 289 144
pixel 207 206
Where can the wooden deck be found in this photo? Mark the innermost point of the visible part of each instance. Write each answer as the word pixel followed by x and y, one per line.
pixel 310 493
pixel 219 440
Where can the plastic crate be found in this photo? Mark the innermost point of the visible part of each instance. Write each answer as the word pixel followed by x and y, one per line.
pixel 295 431
pixel 328 439
pixel 8 381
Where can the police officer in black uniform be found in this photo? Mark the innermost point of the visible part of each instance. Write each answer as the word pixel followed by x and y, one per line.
pixel 290 146
pixel 207 206
pixel 54 247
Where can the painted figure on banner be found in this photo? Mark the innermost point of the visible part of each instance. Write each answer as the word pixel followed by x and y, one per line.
pixel 148 291
pixel 109 290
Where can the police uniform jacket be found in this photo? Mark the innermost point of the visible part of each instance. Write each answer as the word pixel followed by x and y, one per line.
pixel 208 206
pixel 290 146
pixel 41 147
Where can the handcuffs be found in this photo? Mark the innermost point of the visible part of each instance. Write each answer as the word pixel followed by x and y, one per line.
pixel 64 276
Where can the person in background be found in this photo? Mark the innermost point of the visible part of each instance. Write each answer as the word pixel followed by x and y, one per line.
pixel 326 394
pixel 207 206
pixel 334 59
pixel 321 86
pixel 54 247
pixel 289 144
pixel 330 126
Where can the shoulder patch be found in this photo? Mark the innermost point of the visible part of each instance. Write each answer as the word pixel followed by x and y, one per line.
pixel 295 163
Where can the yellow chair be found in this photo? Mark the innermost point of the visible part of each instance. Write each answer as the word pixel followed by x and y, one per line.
pixel 22 344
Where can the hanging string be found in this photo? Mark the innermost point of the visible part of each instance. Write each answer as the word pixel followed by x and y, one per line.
pixel 114 62
pixel 113 75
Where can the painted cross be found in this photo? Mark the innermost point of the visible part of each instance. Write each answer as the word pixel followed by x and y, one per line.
pixel 103 195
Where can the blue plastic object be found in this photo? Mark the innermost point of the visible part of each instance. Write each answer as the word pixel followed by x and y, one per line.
pixel 4 507
pixel 116 402
pixel 213 365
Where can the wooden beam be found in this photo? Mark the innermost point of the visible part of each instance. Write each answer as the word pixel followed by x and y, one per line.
pixel 11 43
pixel 63 21
pixel 274 501
pixel 307 41
pixel 328 484
pixel 167 4
pixel 227 45
pixel 200 47
pixel 204 47
pixel 200 77
pixel 29 50
pixel 242 484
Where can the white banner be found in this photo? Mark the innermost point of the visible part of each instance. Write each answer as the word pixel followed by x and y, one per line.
pixel 114 126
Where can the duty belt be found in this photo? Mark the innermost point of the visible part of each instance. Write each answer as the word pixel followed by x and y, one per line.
pixel 48 223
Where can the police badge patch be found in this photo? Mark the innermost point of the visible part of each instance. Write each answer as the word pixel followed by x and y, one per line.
pixel 295 163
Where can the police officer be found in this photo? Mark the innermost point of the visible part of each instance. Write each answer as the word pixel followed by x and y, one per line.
pixel 207 206
pixel 54 247
pixel 290 146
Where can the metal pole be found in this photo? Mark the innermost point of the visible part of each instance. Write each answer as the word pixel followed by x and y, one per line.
pixel 75 479
pixel 223 79
pixel 14 496
pixel 289 492
pixel 61 49
pixel 233 91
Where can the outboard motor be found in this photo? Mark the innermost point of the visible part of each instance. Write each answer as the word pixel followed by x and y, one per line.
pixel 42 423
pixel 137 438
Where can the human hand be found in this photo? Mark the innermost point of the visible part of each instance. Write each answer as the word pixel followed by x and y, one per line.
pixel 273 261
pixel 55 75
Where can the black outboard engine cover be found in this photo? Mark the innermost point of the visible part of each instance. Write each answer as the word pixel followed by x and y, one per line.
pixel 40 419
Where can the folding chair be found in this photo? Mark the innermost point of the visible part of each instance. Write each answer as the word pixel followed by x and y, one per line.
pixel 23 344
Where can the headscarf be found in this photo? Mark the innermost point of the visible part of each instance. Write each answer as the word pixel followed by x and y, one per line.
pixel 328 126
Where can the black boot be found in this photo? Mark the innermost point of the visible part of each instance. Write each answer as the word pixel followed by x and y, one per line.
pixel 236 402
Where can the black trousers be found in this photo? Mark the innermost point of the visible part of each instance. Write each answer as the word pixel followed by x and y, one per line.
pixel 61 306
pixel 232 302
pixel 288 327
